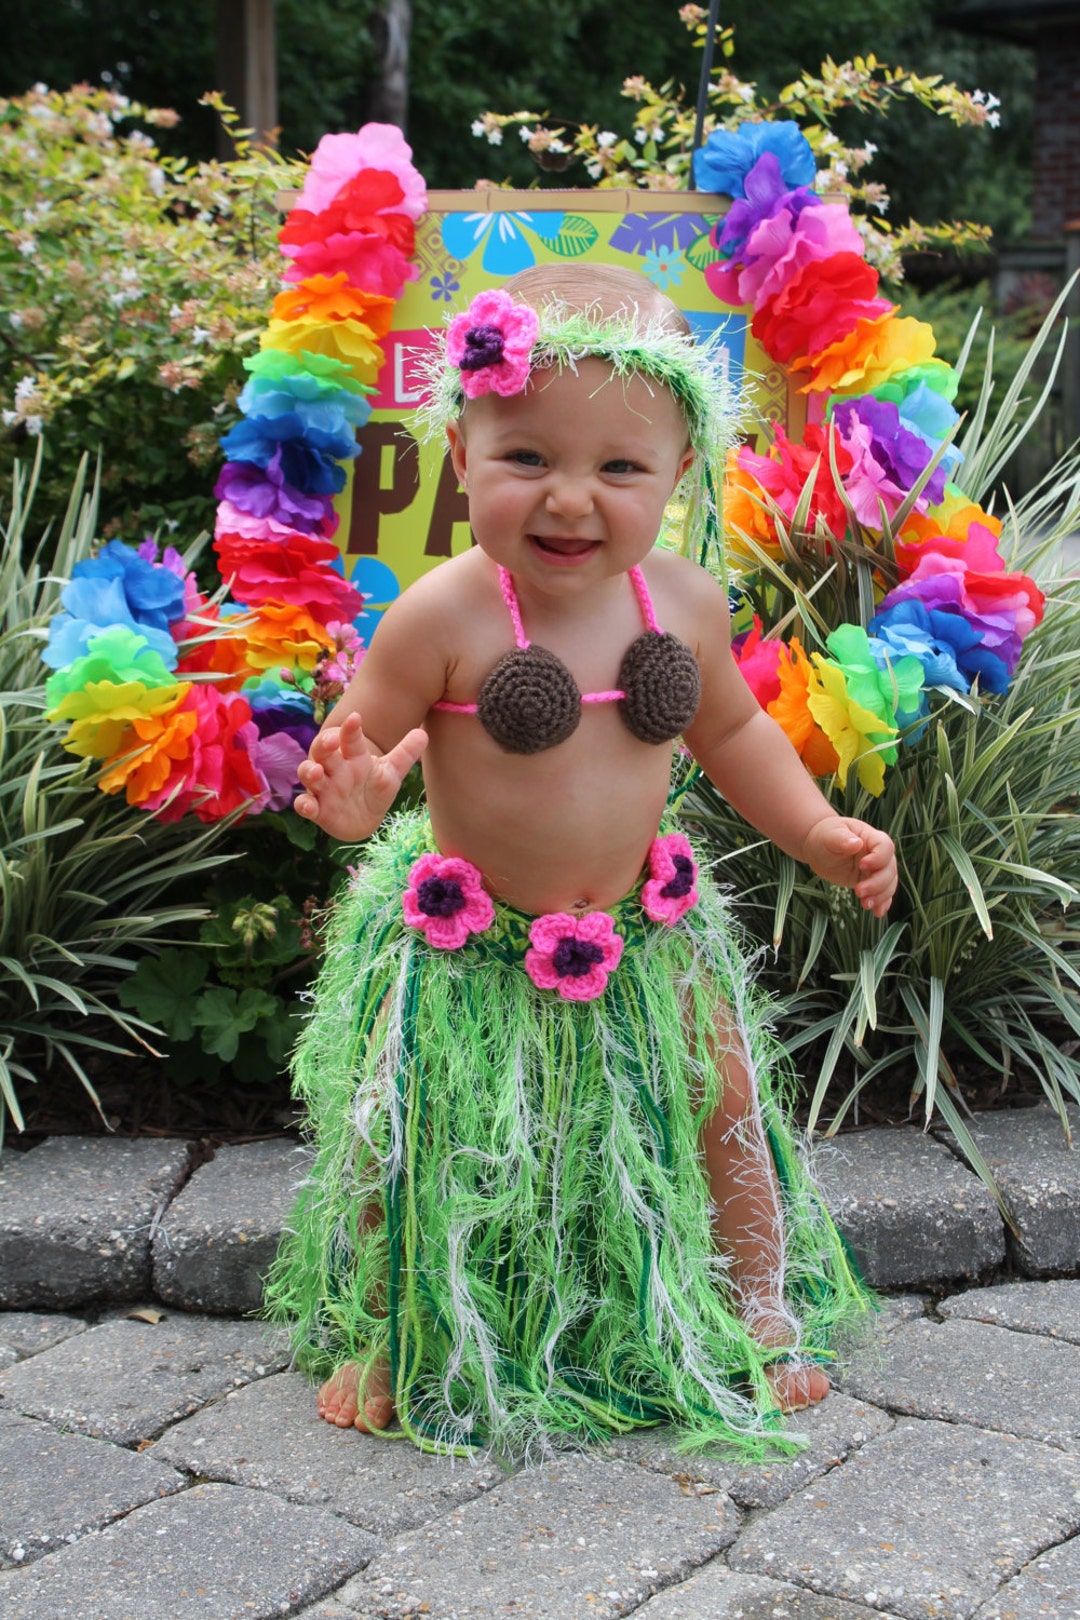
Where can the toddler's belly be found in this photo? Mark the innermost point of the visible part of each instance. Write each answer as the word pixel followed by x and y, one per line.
pixel 564 830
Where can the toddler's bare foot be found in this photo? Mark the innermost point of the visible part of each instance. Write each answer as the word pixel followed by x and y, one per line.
pixel 797 1385
pixel 358 1396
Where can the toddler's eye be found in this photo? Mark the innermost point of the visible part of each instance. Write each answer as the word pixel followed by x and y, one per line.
pixel 620 465
pixel 526 458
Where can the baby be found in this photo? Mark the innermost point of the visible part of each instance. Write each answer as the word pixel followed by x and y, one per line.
pixel 556 1194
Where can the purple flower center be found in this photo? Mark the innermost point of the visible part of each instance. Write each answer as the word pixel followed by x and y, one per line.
pixel 483 347
pixel 574 958
pixel 439 897
pixel 683 881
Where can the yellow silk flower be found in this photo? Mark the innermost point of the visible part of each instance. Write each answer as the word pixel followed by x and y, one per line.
pixel 102 711
pixel 953 516
pixel 874 351
pixel 853 731
pixel 325 315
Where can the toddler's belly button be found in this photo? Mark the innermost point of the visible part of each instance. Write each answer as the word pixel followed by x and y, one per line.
pixel 580 905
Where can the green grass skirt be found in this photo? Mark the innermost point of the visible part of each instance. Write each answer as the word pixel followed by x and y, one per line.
pixel 508 1200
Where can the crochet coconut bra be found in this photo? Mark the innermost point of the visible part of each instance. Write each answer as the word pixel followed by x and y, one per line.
pixel 530 701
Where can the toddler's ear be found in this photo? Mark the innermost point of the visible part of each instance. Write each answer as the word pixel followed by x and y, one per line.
pixel 456 437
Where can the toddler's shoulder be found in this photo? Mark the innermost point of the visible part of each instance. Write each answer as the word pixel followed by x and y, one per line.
pixel 431 599
pixel 683 591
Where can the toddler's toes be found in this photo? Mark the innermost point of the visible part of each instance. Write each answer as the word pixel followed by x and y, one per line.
pixel 337 1400
pixel 797 1385
pixel 378 1406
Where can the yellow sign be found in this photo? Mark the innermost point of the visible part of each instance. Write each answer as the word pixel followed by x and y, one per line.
pixel 401 510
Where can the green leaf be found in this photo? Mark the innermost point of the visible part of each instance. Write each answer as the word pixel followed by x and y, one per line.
pixel 969 877
pixel 576 237
pixel 164 989
pixel 701 252
pixel 223 1016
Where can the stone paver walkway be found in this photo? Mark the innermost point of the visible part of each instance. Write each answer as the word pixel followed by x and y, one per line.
pixel 160 1461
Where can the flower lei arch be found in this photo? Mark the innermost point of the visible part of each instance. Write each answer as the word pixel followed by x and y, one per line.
pixel 206 706
pixel 875 465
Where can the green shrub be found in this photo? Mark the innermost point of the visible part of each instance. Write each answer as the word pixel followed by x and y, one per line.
pixel 132 284
pixel 85 881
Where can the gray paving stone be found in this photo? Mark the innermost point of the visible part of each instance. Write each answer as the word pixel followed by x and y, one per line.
pixel 27 1332
pixel 327 1611
pixel 212 1553
pixel 913 1214
pixel 53 1487
pixel 1049 1586
pixel 125 1381
pixel 929 1520
pixel 718 1593
pixel 970 1372
pixel 1039 1177
pixel 269 1435
pixel 833 1429
pixel 578 1539
pixel 75 1218
pixel 216 1240
pixel 1049 1308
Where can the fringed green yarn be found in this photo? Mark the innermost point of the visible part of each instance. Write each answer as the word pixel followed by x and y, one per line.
pixel 507 1200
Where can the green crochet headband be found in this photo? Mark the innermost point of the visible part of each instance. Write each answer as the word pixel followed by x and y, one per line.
pixel 494 346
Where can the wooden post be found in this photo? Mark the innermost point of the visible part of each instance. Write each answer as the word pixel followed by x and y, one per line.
pixel 247 67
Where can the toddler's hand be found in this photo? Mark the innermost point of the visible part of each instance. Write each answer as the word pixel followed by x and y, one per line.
pixel 347 788
pixel 857 856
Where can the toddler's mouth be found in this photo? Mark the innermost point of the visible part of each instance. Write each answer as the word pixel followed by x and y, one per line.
pixel 569 545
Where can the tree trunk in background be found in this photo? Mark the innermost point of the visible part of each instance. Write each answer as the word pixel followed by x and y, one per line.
pixel 247 67
pixel 388 102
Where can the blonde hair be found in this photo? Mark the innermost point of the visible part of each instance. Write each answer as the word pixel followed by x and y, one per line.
pixel 602 291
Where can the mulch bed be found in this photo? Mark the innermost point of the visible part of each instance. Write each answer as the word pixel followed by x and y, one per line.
pixel 138 1099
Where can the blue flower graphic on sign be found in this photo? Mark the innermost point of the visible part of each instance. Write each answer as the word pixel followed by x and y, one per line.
pixel 378 585
pixel 502 237
pixel 665 267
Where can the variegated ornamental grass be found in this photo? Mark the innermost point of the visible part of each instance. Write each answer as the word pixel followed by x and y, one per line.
pixel 979 960
pixel 85 881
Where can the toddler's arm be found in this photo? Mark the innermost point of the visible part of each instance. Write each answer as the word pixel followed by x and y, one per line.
pixel 746 754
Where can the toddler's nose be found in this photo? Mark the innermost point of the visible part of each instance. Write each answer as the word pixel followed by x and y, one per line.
pixel 570 498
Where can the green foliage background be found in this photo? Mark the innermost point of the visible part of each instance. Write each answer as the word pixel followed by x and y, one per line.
pixel 566 57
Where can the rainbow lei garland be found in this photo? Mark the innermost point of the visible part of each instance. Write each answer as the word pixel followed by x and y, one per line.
pixel 206 706
pixel 209 706
pixel 954 617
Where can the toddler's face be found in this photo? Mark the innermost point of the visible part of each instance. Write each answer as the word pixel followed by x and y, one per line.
pixel 567 481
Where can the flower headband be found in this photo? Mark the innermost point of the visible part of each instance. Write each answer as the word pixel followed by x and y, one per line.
pixel 497 343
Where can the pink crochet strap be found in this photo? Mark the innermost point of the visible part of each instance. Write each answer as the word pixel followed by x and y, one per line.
pixel 602 697
pixel 644 600
pixel 456 708
pixel 506 585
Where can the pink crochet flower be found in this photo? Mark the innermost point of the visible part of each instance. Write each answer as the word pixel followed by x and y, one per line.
pixel 573 955
pixel 671 890
pixel 446 901
pixel 492 344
